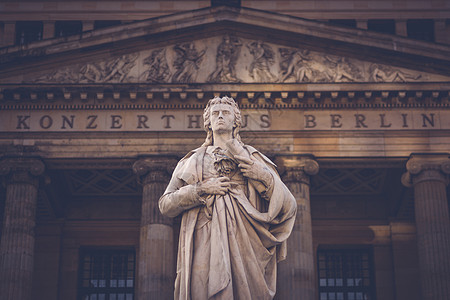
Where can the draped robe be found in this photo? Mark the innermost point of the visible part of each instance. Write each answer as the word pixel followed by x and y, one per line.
pixel 229 245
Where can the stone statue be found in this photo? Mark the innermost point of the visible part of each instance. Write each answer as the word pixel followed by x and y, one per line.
pixel 114 70
pixel 157 67
pixel 380 73
pixel 187 62
pixel 263 58
pixel 236 214
pixel 227 55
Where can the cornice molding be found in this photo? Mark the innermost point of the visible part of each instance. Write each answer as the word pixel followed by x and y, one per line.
pixel 242 16
pixel 125 40
pixel 304 96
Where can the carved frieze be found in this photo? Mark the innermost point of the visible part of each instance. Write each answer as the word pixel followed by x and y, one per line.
pixel 227 59
pixel 187 63
pixel 113 70
pixel 156 67
pixel 263 58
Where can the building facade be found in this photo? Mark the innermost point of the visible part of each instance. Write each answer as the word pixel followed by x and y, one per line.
pixel 100 99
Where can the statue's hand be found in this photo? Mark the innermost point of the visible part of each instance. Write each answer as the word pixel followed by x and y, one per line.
pixel 214 186
pixel 254 169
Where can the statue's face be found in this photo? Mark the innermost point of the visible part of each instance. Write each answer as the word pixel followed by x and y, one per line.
pixel 222 118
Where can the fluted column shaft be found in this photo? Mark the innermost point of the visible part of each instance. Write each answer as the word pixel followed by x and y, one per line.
pixel 156 271
pixel 429 177
pixel 297 273
pixel 17 242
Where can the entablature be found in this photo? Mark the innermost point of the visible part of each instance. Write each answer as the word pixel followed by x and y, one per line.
pixel 129 96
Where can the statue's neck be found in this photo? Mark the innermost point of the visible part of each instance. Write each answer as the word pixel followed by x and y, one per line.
pixel 221 138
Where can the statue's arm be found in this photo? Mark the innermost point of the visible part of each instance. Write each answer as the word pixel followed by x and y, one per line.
pixel 179 197
pixel 266 175
pixel 253 166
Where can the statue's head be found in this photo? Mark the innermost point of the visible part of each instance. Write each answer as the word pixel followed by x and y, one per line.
pixel 207 118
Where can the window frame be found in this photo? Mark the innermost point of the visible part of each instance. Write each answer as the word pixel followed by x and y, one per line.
pixel 107 252
pixel 345 251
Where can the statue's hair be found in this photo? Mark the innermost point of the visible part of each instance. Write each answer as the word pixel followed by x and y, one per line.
pixel 207 119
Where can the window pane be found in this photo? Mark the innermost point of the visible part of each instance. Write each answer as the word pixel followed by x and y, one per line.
pixel 382 25
pixel 105 23
pixel 28 31
pixel 421 29
pixel 344 22
pixel 66 28
pixel 107 274
pixel 345 274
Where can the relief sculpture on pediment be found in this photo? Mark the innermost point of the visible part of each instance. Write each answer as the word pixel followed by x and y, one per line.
pixel 63 75
pixel 263 58
pixel 114 70
pixel 305 66
pixel 187 62
pixel 381 73
pixel 227 55
pixel 157 67
pixel 227 59
pixel 343 69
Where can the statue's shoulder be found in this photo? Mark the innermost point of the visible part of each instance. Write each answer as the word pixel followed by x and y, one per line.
pixel 186 169
pixel 255 152
pixel 192 153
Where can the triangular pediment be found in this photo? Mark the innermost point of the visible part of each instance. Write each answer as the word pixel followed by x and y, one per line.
pixel 227 59
pixel 222 46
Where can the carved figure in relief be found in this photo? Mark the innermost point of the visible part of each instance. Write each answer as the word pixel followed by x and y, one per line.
pixel 92 72
pixel 115 70
pixel 119 69
pixel 236 214
pixel 263 58
pixel 157 67
pixel 381 73
pixel 187 62
pixel 293 65
pixel 343 69
pixel 226 58
pixel 304 66
pixel 64 75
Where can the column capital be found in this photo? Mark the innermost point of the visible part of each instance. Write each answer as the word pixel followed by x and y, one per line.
pixel 21 169
pixel 154 169
pixel 297 167
pixel 427 167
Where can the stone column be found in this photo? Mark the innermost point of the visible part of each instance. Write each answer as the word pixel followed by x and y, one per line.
pixel 88 25
pixel 17 242
pixel 156 269
pixel 296 275
pixel 361 24
pixel 401 28
pixel 441 31
pixel 428 174
pixel 9 33
pixel 48 30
